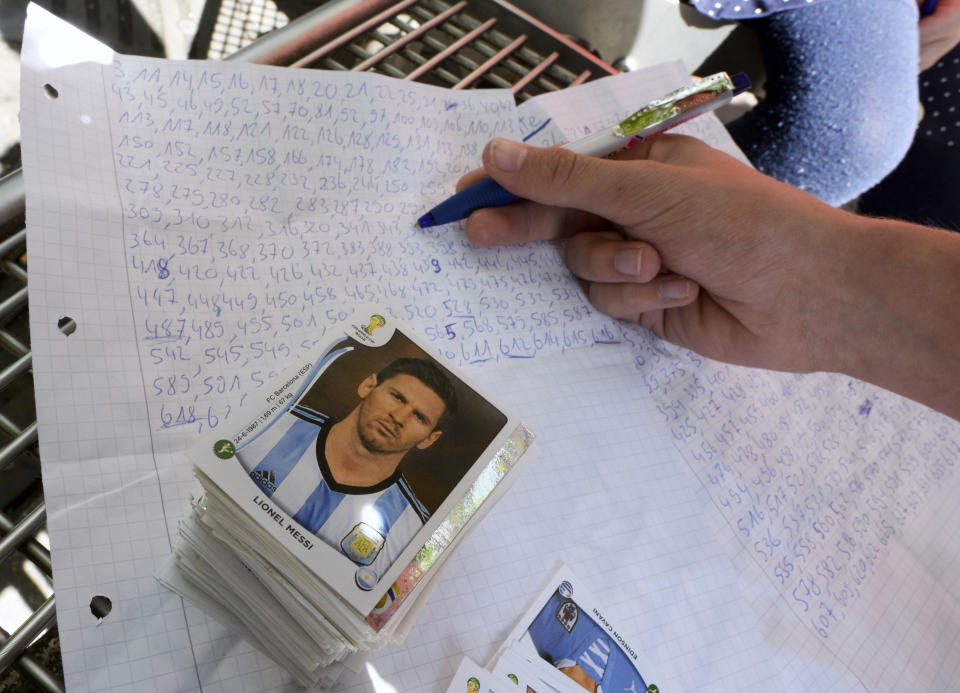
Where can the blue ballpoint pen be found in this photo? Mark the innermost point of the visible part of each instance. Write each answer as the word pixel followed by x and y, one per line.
pixel 682 104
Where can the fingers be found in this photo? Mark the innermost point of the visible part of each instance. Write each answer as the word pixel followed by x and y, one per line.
pixel 471 177
pixel 558 177
pixel 630 301
pixel 605 256
pixel 624 275
pixel 676 150
pixel 564 193
pixel 529 219
pixel 626 190
pixel 524 221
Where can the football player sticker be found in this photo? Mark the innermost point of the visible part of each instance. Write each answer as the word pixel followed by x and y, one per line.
pixel 366 453
pixel 573 645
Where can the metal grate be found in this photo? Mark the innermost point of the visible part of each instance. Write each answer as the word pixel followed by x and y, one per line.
pixel 25 561
pixel 459 45
pixel 465 44
pixel 240 22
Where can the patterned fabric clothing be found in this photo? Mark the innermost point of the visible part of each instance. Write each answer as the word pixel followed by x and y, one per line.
pixel 747 9
pixel 923 188
pixel 840 109
pixel 940 96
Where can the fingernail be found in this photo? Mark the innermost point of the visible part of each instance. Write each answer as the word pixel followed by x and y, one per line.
pixel 674 289
pixel 628 261
pixel 507 155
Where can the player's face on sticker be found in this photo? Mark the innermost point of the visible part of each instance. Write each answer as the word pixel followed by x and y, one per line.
pixel 398 414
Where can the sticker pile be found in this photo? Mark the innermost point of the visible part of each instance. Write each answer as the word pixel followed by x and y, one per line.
pixel 331 505
pixel 564 643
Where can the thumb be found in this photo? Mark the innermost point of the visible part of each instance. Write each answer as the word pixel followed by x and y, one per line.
pixel 558 177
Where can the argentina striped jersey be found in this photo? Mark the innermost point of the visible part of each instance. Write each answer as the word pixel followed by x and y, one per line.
pixel 370 525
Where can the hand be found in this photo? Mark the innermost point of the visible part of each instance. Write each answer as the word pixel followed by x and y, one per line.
pixel 939 33
pixel 774 277
pixel 750 259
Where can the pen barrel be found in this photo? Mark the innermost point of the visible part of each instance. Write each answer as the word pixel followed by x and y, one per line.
pixel 600 144
pixel 485 193
pixel 710 104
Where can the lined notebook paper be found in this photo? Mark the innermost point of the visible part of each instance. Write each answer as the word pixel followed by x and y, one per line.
pixel 205 223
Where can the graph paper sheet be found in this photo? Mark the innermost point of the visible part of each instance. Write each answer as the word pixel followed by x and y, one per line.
pixel 205 223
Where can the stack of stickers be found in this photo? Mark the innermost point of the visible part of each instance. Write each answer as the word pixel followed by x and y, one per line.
pixel 564 643
pixel 332 499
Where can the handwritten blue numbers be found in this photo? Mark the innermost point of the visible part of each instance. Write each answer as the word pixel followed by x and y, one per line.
pixel 799 469
pixel 276 203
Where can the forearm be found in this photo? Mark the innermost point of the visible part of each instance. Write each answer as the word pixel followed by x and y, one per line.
pixel 895 314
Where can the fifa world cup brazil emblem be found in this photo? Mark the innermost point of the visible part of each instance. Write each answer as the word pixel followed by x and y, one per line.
pixel 375 322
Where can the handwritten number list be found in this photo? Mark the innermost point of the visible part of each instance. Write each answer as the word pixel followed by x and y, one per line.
pixel 259 210
pixel 817 514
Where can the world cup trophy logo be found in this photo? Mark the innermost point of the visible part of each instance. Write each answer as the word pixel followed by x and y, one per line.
pixel 376 321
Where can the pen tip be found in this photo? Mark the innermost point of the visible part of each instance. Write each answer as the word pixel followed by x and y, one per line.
pixel 426 221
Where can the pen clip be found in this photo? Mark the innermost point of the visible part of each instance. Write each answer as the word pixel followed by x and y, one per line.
pixel 675 103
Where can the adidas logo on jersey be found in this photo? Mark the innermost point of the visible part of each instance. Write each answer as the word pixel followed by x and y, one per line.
pixel 265 479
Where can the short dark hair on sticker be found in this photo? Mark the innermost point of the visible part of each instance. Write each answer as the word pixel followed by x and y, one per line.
pixel 428 373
